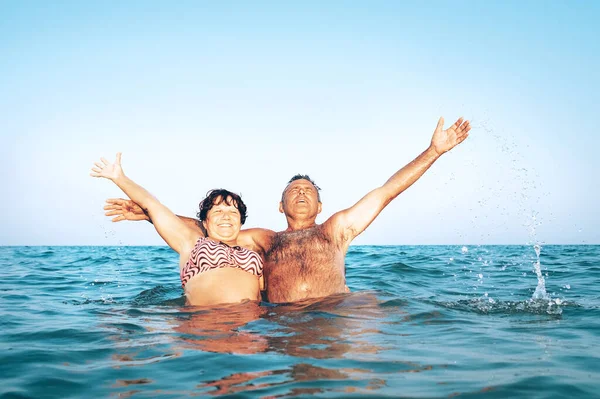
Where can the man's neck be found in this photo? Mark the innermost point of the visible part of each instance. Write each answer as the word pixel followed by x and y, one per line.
pixel 294 225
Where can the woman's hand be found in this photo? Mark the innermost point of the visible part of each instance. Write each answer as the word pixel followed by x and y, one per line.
pixel 111 171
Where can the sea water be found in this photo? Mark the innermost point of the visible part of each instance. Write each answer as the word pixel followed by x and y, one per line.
pixel 422 321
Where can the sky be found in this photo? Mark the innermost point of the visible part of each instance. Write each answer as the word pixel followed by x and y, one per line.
pixel 244 95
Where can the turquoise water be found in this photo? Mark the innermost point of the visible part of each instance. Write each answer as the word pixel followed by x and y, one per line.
pixel 422 321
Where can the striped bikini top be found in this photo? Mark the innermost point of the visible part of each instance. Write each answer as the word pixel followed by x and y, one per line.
pixel 209 254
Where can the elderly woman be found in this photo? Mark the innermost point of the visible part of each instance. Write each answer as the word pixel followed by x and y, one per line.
pixel 213 268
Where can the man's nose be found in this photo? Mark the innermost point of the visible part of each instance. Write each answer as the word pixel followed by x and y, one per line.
pixel 301 191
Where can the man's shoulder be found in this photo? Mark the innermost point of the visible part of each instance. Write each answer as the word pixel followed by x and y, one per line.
pixel 256 231
pixel 335 227
pixel 256 238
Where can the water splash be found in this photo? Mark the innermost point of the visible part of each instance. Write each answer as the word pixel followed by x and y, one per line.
pixel 540 290
pixel 540 298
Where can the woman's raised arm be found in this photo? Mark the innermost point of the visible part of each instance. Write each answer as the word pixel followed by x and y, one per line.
pixel 176 233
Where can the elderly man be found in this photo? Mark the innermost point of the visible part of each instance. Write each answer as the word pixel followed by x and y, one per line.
pixel 307 259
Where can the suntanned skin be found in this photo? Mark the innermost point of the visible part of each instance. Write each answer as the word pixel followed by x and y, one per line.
pixel 222 224
pixel 307 259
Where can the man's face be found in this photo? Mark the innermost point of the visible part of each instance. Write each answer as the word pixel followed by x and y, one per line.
pixel 300 198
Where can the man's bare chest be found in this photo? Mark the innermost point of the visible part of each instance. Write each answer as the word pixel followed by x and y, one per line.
pixel 303 246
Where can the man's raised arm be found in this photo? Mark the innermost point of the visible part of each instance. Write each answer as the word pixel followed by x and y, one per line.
pixel 124 209
pixel 349 223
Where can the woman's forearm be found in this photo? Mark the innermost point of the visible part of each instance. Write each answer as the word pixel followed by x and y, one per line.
pixel 175 232
pixel 137 193
pixel 179 237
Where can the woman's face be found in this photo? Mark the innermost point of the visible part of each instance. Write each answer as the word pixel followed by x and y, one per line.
pixel 223 222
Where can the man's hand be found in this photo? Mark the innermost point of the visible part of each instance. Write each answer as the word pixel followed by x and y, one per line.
pixel 445 140
pixel 123 209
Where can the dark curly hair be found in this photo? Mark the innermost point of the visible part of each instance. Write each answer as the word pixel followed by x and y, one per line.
pixel 302 177
pixel 217 197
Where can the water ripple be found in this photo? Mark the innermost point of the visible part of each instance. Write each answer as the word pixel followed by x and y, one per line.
pixel 439 321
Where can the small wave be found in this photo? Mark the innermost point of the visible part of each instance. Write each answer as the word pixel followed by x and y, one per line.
pixel 159 295
pixel 394 303
pixel 88 301
pixel 490 306
pixel 83 260
pixel 42 255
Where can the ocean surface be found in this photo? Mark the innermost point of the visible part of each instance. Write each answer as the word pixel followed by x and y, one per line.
pixel 421 322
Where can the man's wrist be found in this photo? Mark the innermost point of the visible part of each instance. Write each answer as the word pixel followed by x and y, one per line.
pixel 433 152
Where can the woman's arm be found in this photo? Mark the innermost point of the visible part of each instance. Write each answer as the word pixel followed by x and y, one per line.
pixel 175 232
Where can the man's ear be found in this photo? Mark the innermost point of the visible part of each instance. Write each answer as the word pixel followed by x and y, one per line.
pixel 281 207
pixel 319 208
pixel 204 225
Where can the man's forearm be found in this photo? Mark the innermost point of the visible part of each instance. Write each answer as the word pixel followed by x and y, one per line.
pixel 353 221
pixel 405 177
pixel 350 222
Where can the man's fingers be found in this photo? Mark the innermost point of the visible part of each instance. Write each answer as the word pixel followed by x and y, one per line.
pixel 99 165
pixel 457 123
pixel 462 138
pixel 118 218
pixel 96 170
pixel 104 160
pixel 440 124
pixel 115 201
pixel 113 213
pixel 118 161
pixel 465 126
pixel 95 175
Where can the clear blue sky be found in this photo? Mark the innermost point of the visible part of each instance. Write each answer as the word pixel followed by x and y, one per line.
pixel 243 95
